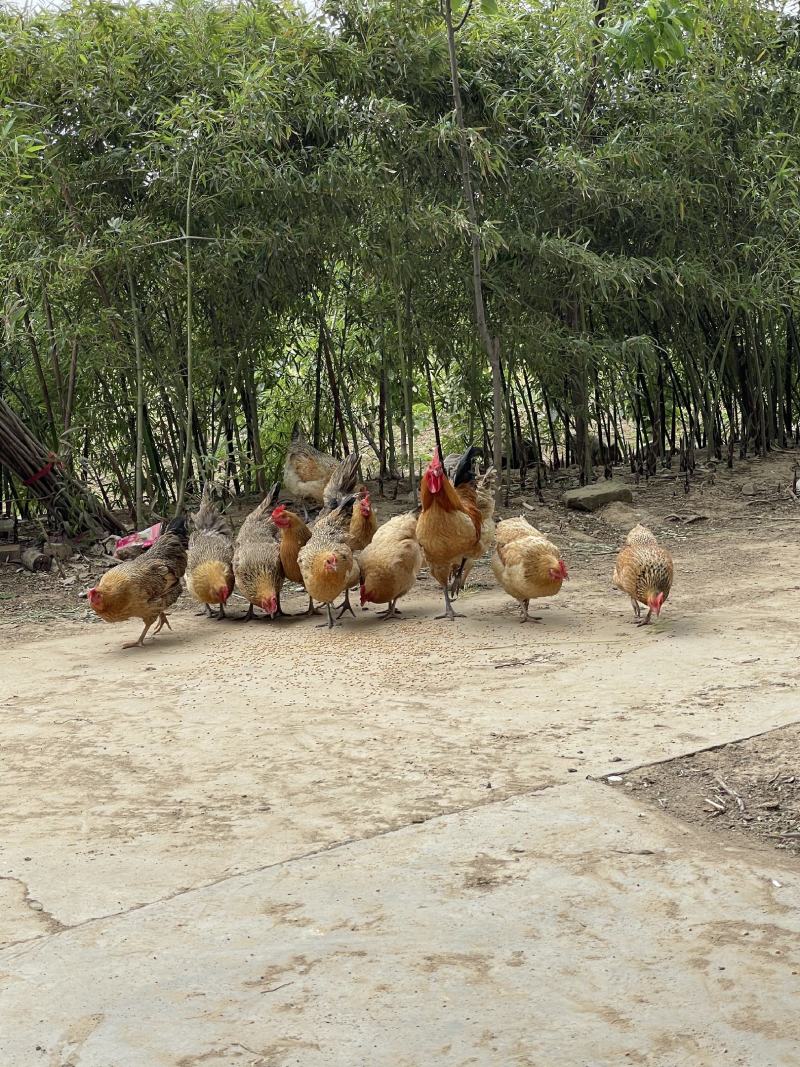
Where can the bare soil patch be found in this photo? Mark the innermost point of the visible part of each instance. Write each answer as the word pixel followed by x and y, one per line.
pixel 748 790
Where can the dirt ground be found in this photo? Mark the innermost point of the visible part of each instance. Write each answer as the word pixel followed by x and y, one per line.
pixel 750 789
pixel 394 843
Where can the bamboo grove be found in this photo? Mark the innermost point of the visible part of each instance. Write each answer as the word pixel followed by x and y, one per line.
pixel 568 228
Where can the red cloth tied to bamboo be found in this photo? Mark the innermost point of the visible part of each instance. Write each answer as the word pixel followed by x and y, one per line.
pixel 52 461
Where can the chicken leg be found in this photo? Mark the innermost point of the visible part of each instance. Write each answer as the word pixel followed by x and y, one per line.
pixel 329 625
pixel 458 581
pixel 524 616
pixel 346 605
pixel 448 607
pixel 646 620
pixel 637 610
pixel 392 611
pixel 140 642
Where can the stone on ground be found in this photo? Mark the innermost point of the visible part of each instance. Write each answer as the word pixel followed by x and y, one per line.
pixel 592 497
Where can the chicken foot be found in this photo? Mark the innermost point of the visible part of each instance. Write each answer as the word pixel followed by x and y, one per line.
pixel 646 620
pixel 449 613
pixel 392 611
pixel 140 642
pixel 329 625
pixel 524 616
pixel 346 605
pixel 162 622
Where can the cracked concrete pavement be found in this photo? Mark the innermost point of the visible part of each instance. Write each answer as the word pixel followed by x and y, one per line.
pixel 272 845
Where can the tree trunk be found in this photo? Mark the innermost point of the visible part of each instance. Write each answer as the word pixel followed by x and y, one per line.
pixel 491 345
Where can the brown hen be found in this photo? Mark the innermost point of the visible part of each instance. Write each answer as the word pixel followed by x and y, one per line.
pixel 145 587
pixel 644 571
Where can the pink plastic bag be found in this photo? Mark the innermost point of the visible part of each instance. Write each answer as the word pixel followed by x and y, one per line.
pixel 143 539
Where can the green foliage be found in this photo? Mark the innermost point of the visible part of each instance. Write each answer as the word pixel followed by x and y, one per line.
pixel 639 216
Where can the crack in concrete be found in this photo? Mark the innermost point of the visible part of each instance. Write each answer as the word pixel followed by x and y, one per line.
pixel 55 925
pixel 321 851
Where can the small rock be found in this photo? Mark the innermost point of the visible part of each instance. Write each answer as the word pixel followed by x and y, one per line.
pixel 58 549
pixel 749 488
pixel 69 581
pixel 10 553
pixel 620 515
pixel 614 778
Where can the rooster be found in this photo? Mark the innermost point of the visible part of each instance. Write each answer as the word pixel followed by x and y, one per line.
pixel 294 534
pixel 145 587
pixel 456 526
pixel 389 565
pixel 257 559
pixel 326 561
pixel 209 571
pixel 526 564
pixel 306 470
pixel 644 571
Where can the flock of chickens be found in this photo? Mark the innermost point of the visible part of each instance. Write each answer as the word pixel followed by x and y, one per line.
pixel 345 548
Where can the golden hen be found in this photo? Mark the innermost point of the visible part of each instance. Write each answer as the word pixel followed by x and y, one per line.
pixel 526 564
pixel 326 561
pixel 364 522
pixel 389 565
pixel 209 570
pixel 257 559
pixel 294 534
pixel 145 587
pixel 644 571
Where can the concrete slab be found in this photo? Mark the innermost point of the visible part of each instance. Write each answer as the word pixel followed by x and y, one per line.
pixel 353 802
pixel 567 927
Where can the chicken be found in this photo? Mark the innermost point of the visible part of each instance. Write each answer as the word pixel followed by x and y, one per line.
pixel 484 498
pixel 644 571
pixel 257 559
pixel 209 571
pixel 452 460
pixel 145 587
pixel 294 534
pixel 389 565
pixel 526 564
pixel 341 483
pixel 306 470
pixel 326 561
pixel 364 522
pixel 451 526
